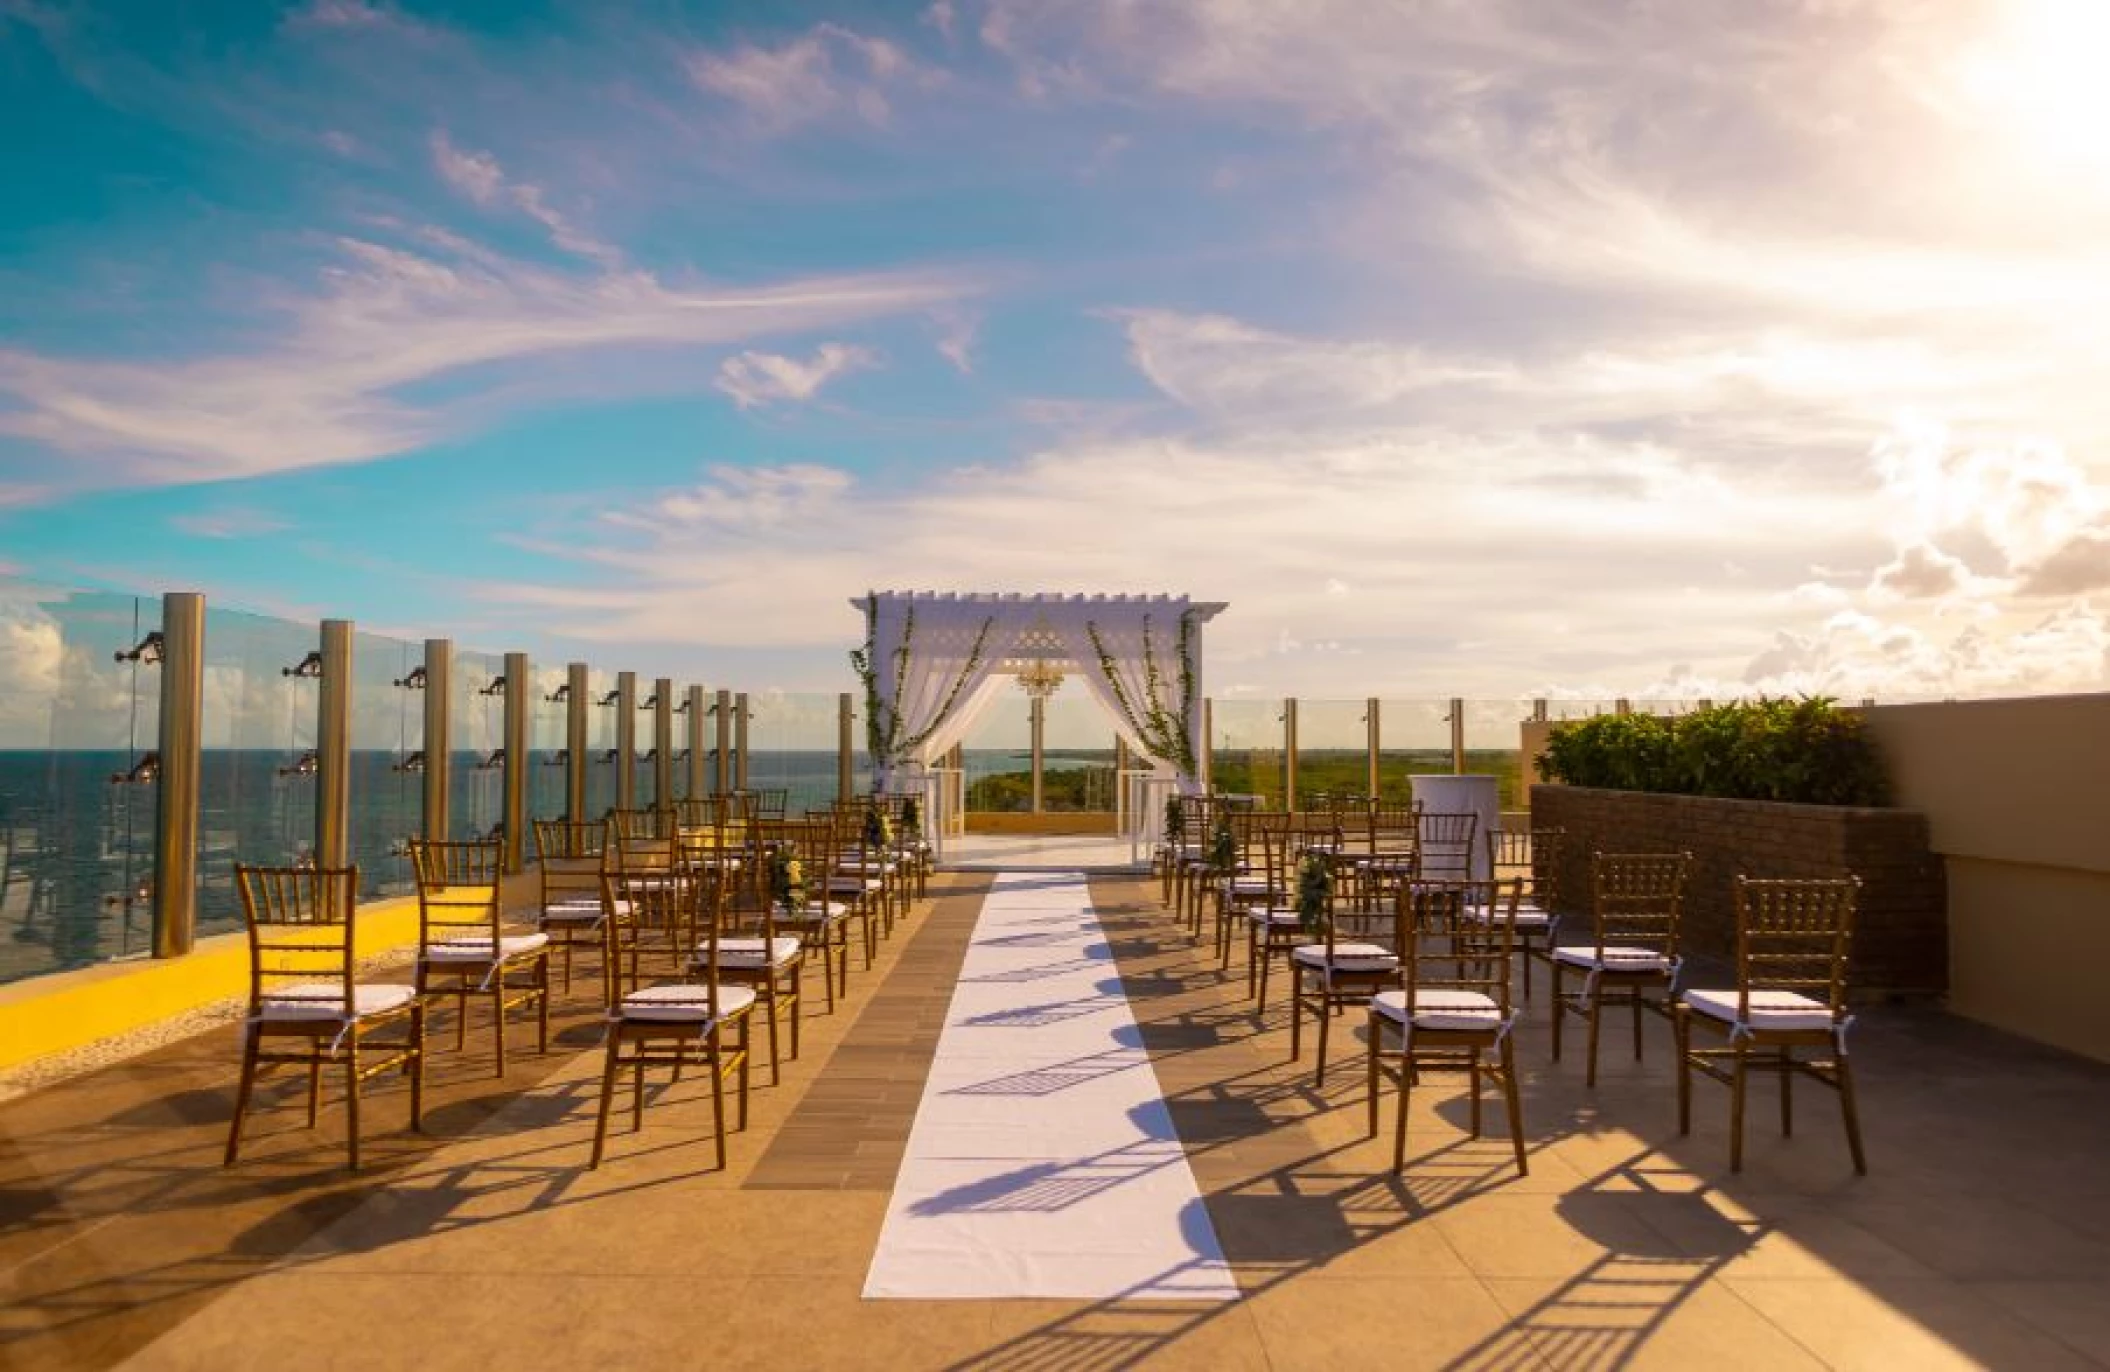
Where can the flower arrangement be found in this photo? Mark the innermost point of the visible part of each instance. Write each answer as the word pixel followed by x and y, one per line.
pixel 1175 817
pixel 1314 892
pixel 787 878
pixel 911 820
pixel 878 830
pixel 1223 848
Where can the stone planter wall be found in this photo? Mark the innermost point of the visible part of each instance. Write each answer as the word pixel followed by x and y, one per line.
pixel 1901 941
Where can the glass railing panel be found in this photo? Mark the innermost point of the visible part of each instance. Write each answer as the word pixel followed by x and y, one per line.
pixel 791 746
pixel 1077 754
pixel 600 734
pixel 76 848
pixel 1333 752
pixel 1494 746
pixel 387 791
pixel 1414 737
pixel 860 760
pixel 477 719
pixel 256 776
pixel 548 722
pixel 1245 738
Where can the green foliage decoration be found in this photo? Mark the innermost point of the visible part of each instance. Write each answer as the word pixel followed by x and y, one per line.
pixel 1314 892
pixel 1164 729
pixel 883 739
pixel 1805 750
pixel 787 878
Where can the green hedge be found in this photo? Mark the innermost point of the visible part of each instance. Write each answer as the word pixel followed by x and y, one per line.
pixel 1807 750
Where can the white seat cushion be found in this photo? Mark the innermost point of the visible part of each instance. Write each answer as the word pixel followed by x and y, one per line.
pixel 324 1000
pixel 1529 916
pixel 1348 957
pixel 1613 958
pixel 479 949
pixel 850 881
pixel 1276 916
pixel 1249 886
pixel 1785 1012
pixel 578 911
pixel 685 1004
pixel 739 953
pixel 815 912
pixel 1441 1010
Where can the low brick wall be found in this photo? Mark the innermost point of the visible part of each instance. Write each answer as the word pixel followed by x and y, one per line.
pixel 1901 941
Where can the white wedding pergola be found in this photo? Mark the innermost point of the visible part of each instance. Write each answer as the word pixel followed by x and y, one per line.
pixel 934 663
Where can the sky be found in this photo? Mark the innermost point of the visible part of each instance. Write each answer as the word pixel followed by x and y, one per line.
pixel 1491 348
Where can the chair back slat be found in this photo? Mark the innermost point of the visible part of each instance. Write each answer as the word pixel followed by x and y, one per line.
pixel 1533 857
pixel 1639 899
pixel 300 922
pixel 458 888
pixel 1445 843
pixel 1457 936
pixel 1794 935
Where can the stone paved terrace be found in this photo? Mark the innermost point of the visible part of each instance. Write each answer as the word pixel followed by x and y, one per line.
pixel 1982 1236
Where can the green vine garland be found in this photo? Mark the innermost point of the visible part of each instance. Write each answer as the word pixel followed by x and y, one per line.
pixel 1165 732
pixel 883 738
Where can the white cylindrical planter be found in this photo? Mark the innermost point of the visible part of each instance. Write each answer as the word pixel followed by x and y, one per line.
pixel 1470 794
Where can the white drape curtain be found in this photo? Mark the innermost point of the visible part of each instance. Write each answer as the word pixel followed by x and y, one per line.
pixel 943 642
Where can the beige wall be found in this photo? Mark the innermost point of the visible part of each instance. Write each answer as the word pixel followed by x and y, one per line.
pixel 2017 797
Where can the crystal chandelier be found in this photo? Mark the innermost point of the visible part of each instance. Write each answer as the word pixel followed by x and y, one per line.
pixel 1039 679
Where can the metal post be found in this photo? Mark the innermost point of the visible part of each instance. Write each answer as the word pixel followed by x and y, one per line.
pixel 699 779
pixel 845 774
pixel 181 744
pixel 1373 744
pixel 439 744
pixel 1457 736
pixel 663 744
pixel 740 741
pixel 1037 719
pixel 626 740
pixel 1289 753
pixel 723 709
pixel 513 780
pixel 1120 785
pixel 1538 710
pixel 1208 757
pixel 578 739
pixel 333 747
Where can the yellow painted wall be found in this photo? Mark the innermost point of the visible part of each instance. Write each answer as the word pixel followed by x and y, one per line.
pixel 68 1010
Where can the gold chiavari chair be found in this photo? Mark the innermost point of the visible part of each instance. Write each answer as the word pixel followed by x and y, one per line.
pixel 821 922
pixel 1452 1011
pixel 1445 845
pixel 1638 902
pixel 302 992
pixel 569 856
pixel 863 875
pixel 766 957
pixel 1387 845
pixel 463 949
pixel 1245 883
pixel 1266 898
pixel 1532 857
pixel 1349 961
pixel 1792 942
pixel 673 1024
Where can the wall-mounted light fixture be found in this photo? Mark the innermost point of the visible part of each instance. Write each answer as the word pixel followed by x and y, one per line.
pixel 309 666
pixel 682 755
pixel 682 706
pixel 414 682
pixel 414 763
pixel 496 688
pixel 611 698
pixel 141 773
pixel 562 693
pixel 650 702
pixel 140 893
pixel 148 650
pixel 303 766
pixel 608 756
pixel 560 758
pixel 649 755
pixel 493 762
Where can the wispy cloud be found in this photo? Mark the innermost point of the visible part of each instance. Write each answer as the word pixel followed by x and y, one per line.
pixel 826 72
pixel 757 378
pixel 479 176
pixel 328 387
pixel 232 521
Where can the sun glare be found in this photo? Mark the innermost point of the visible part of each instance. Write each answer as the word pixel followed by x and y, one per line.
pixel 2045 71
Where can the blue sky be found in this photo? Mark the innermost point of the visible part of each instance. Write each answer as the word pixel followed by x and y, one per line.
pixel 1489 348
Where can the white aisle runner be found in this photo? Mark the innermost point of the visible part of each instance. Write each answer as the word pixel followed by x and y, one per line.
pixel 1043 1160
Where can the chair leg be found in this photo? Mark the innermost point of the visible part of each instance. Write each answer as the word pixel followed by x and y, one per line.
pixel 1516 1110
pixel 715 1063
pixel 1325 1022
pixel 747 1059
pixel 608 1076
pixel 498 1016
pixel 1473 1073
pixel 314 1084
pixel 351 1099
pixel 1596 994
pixel 251 1043
pixel 1787 1093
pixel 1736 1108
pixel 1265 952
pixel 1848 1109
pixel 1560 1010
pixel 1377 1034
pixel 1296 1015
pixel 637 1095
pixel 797 975
pixel 417 1067
pixel 1637 1026
pixel 1681 1027
pixel 542 1003
pixel 1406 1091
pixel 769 1007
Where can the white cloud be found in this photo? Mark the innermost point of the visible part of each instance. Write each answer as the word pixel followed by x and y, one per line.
pixel 479 176
pixel 234 521
pixel 957 332
pixel 757 378
pixel 826 72
pixel 327 387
